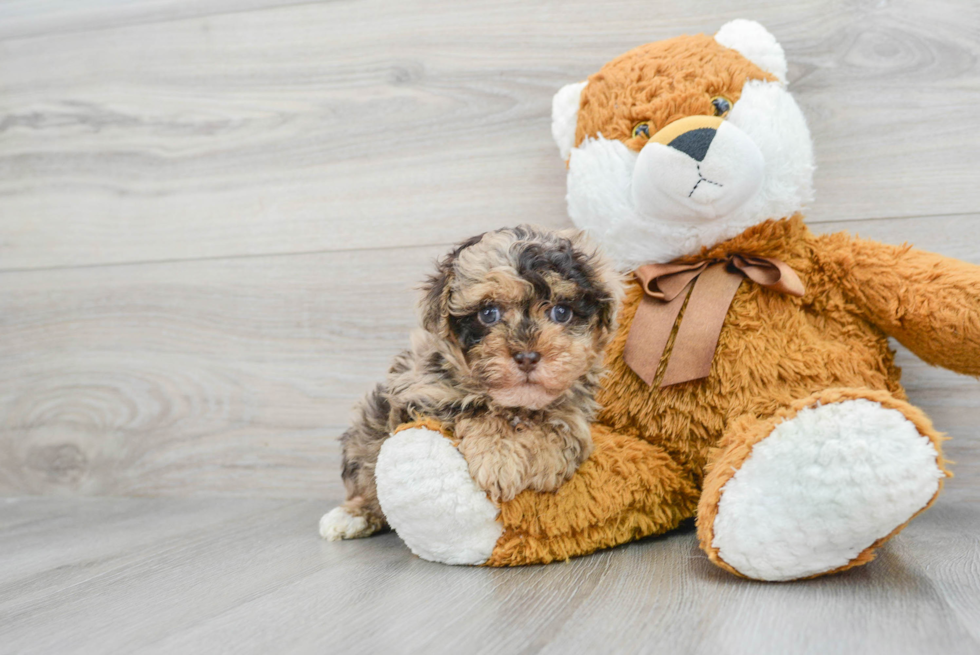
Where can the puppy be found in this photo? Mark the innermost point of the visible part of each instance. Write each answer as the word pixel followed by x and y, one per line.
pixel 508 358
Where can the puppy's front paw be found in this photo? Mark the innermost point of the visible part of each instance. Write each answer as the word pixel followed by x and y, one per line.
pixel 499 474
pixel 339 524
pixel 550 479
pixel 555 466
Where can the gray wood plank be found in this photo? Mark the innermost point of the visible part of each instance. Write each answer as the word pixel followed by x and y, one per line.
pixel 212 215
pixel 51 545
pixel 258 579
pixel 235 376
pixel 20 19
pixel 210 377
pixel 352 125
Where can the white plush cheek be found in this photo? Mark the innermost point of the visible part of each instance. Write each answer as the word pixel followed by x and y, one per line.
pixel 736 165
pixel 600 175
pixel 663 183
pixel 768 115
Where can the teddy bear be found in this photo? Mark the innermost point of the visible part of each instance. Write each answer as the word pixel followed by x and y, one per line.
pixel 750 384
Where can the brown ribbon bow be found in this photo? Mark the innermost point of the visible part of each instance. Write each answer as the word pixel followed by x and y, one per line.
pixel 714 282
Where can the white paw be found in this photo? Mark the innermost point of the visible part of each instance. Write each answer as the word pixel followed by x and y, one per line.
pixel 338 524
pixel 823 487
pixel 429 498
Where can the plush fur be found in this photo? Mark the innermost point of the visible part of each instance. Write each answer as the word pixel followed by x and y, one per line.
pixel 803 398
pixel 513 381
pixel 632 193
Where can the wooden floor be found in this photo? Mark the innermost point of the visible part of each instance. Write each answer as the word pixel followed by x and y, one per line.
pixel 212 217
pixel 251 576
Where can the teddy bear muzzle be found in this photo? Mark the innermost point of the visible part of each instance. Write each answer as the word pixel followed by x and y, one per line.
pixel 696 169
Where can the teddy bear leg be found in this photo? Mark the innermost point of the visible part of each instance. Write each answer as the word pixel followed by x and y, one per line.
pixel 817 487
pixel 627 489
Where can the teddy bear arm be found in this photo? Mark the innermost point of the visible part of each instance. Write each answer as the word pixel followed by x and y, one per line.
pixel 930 303
pixel 627 489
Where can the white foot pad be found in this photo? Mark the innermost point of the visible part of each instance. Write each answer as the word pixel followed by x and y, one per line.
pixel 338 524
pixel 429 498
pixel 821 488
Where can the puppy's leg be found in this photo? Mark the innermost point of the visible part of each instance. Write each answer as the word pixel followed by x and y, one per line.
pixel 555 453
pixel 360 515
pixel 496 460
pixel 505 460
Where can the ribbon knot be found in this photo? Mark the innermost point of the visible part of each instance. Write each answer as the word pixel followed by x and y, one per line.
pixel 711 285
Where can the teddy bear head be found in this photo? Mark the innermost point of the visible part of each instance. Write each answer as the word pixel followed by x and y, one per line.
pixel 681 144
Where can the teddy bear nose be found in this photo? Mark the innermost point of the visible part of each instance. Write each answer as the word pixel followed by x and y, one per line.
pixel 695 143
pixel 527 360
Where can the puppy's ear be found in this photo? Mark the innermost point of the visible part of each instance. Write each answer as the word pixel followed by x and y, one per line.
pixel 611 301
pixel 437 289
pixel 611 281
pixel 608 285
pixel 434 306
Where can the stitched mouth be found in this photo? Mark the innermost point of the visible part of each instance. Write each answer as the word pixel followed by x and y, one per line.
pixel 702 178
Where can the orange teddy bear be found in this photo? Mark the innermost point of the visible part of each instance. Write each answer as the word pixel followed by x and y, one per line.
pixel 751 383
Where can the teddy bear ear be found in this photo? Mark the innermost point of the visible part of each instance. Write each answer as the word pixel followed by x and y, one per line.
pixel 564 116
pixel 756 44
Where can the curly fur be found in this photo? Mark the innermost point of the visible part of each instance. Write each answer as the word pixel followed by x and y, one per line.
pixel 518 429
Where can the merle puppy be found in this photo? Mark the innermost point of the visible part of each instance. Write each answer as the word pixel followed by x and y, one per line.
pixel 507 360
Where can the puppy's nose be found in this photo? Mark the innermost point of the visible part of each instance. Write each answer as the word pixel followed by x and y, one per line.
pixel 527 360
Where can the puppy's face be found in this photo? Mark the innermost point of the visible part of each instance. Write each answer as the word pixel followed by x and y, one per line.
pixel 531 312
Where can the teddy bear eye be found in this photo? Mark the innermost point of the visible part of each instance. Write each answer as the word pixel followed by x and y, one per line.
pixel 642 129
pixel 722 105
pixel 489 315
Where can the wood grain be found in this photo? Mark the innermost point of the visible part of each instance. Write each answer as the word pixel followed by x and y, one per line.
pixel 252 576
pixel 212 218
pixel 213 213
pixel 21 19
pixel 235 376
pixel 176 130
pixel 227 376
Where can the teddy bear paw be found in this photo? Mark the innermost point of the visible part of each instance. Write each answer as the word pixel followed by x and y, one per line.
pixel 824 487
pixel 430 500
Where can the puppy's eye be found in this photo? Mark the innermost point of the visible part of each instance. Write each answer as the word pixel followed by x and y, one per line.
pixel 489 315
pixel 722 105
pixel 642 129
pixel 560 313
